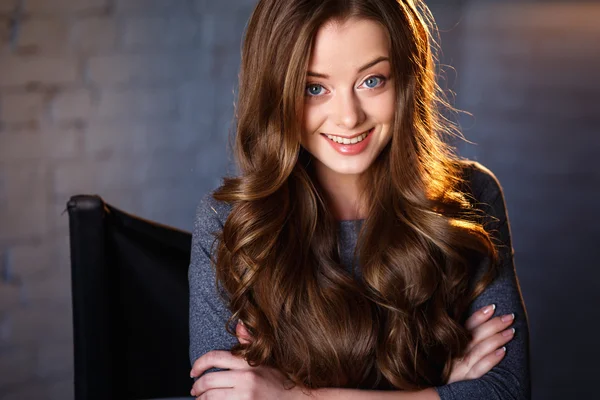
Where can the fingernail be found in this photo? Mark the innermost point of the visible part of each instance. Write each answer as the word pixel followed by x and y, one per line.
pixel 501 351
pixel 193 393
pixel 489 308
pixel 509 332
pixel 508 317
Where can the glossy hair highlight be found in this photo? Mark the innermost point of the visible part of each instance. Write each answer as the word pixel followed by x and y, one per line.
pixel 277 255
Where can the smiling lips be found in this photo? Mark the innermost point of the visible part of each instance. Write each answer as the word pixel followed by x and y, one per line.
pixel 350 146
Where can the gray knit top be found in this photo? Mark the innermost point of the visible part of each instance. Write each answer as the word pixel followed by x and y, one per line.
pixel 510 379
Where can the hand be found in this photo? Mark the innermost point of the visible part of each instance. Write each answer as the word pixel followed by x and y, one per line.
pixel 242 380
pixel 483 353
pixel 486 349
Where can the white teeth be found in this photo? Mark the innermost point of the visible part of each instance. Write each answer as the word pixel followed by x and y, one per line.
pixel 354 140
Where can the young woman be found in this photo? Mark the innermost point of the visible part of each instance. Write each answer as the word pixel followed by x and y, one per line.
pixel 360 256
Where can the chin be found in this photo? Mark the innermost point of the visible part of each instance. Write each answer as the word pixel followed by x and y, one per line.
pixel 356 169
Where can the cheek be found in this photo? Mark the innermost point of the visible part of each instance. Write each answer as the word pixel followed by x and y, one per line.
pixel 383 107
pixel 311 120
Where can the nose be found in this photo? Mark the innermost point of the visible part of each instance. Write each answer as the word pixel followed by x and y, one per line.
pixel 347 110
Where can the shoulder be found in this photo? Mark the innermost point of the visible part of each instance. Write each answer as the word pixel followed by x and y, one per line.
pixel 209 219
pixel 480 182
pixel 486 196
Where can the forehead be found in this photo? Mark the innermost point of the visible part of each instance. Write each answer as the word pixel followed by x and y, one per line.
pixel 347 45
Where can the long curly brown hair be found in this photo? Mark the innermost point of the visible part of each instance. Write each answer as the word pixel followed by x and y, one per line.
pixel 278 257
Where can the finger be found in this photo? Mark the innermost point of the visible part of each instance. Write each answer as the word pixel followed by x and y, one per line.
pixel 215 380
pixel 489 345
pixel 480 316
pixel 242 333
pixel 217 394
pixel 490 328
pixel 486 364
pixel 217 359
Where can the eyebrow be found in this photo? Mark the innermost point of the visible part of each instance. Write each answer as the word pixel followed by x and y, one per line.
pixel 361 69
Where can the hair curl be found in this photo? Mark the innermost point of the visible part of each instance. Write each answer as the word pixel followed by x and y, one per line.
pixel 278 257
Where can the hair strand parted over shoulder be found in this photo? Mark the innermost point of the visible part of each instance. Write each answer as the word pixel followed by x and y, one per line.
pixel 277 255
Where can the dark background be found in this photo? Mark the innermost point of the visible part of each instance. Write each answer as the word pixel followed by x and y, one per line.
pixel 133 99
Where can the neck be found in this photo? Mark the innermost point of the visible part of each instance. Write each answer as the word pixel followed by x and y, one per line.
pixel 343 193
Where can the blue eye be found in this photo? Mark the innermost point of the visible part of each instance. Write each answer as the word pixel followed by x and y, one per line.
pixel 313 90
pixel 374 81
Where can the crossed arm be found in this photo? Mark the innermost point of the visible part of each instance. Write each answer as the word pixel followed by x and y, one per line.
pixel 483 353
pixel 508 378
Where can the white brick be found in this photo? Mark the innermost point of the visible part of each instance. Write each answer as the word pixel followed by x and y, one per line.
pixel 37 264
pixel 7 6
pixel 227 28
pixel 19 71
pixel 58 217
pixel 208 6
pixel 225 66
pixel 54 358
pixel 155 32
pixel 125 173
pixel 170 139
pixel 201 99
pixel 17 365
pixel 109 139
pixel 62 144
pixel 153 103
pixel 10 298
pixel 214 165
pixel 142 138
pixel 43 35
pixel 21 146
pixel 145 69
pixel 42 322
pixel 22 107
pixel 72 105
pixel 567 16
pixel 53 143
pixel 126 199
pixel 27 185
pixel 53 388
pixel 63 6
pixel 71 178
pixel 96 177
pixel 60 389
pixel 170 203
pixel 33 261
pixel 167 168
pixel 152 7
pixel 95 34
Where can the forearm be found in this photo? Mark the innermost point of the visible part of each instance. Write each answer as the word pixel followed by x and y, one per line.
pixel 355 394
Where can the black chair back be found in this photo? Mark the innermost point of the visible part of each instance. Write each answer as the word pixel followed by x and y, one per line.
pixel 130 304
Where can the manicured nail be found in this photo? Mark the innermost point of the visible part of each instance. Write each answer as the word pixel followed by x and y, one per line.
pixel 509 332
pixel 501 351
pixel 193 393
pixel 508 317
pixel 489 308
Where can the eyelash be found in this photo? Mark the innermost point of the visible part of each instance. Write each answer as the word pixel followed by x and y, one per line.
pixel 382 78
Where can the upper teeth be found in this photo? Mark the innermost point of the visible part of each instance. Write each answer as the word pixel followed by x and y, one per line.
pixel 356 139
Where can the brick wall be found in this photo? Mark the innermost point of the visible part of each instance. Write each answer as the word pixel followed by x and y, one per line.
pixel 529 75
pixel 132 99
pixel 129 99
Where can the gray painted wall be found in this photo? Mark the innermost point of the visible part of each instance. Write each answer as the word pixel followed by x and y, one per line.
pixel 133 99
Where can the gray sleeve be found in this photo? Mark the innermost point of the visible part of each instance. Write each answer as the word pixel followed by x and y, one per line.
pixel 510 379
pixel 208 312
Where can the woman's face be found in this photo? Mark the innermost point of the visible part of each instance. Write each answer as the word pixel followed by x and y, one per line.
pixel 349 97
